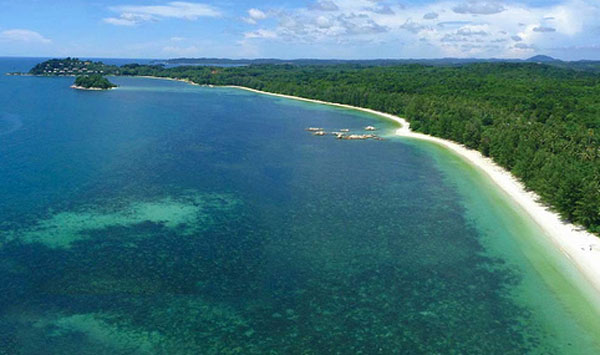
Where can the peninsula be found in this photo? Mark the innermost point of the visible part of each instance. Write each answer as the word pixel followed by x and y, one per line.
pixel 71 67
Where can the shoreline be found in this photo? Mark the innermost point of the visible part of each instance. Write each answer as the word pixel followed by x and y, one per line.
pixel 572 241
pixel 187 81
pixel 89 89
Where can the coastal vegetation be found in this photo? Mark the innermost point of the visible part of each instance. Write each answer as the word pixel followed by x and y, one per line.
pixel 72 66
pixel 94 81
pixel 539 121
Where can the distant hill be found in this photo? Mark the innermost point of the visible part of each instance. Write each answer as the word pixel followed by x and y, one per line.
pixel 76 67
pixel 310 61
pixel 543 59
pixel 584 65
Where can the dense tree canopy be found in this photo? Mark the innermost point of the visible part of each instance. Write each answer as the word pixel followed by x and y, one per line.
pixel 71 66
pixel 95 81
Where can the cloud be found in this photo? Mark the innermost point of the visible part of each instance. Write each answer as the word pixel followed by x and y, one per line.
pixel 310 25
pixel 381 10
pixel 544 29
pixel 430 16
pixel 255 15
pixel 261 33
pixel 454 28
pixel 471 34
pixel 453 23
pixel 325 5
pixel 469 47
pixel 323 22
pixel 412 26
pixel 471 31
pixel 523 46
pixel 452 38
pixel 479 7
pixel 128 19
pixel 574 49
pixel 360 25
pixel 131 15
pixel 20 35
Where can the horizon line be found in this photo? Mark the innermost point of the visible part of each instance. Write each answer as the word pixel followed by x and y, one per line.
pixel 308 58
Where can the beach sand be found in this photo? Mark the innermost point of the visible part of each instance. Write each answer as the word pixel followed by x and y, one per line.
pixel 89 89
pixel 579 246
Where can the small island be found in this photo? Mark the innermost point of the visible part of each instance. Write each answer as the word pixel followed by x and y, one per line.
pixel 92 82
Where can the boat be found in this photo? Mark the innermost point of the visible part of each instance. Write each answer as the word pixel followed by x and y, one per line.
pixel 359 136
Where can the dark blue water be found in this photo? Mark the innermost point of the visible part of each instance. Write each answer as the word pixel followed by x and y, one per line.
pixel 166 218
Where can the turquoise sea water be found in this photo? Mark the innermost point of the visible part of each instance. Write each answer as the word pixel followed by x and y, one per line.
pixel 164 218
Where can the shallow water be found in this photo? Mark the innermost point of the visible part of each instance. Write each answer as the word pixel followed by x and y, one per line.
pixel 167 218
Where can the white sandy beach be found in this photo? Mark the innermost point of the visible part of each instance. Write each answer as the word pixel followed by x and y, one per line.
pixel 88 89
pixel 573 241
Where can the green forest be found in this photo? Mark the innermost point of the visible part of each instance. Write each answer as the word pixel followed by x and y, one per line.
pixel 94 81
pixel 71 66
pixel 540 122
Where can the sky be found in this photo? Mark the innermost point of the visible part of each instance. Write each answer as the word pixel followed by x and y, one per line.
pixel 288 29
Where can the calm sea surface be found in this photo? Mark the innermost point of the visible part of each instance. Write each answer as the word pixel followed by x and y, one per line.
pixel 164 218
